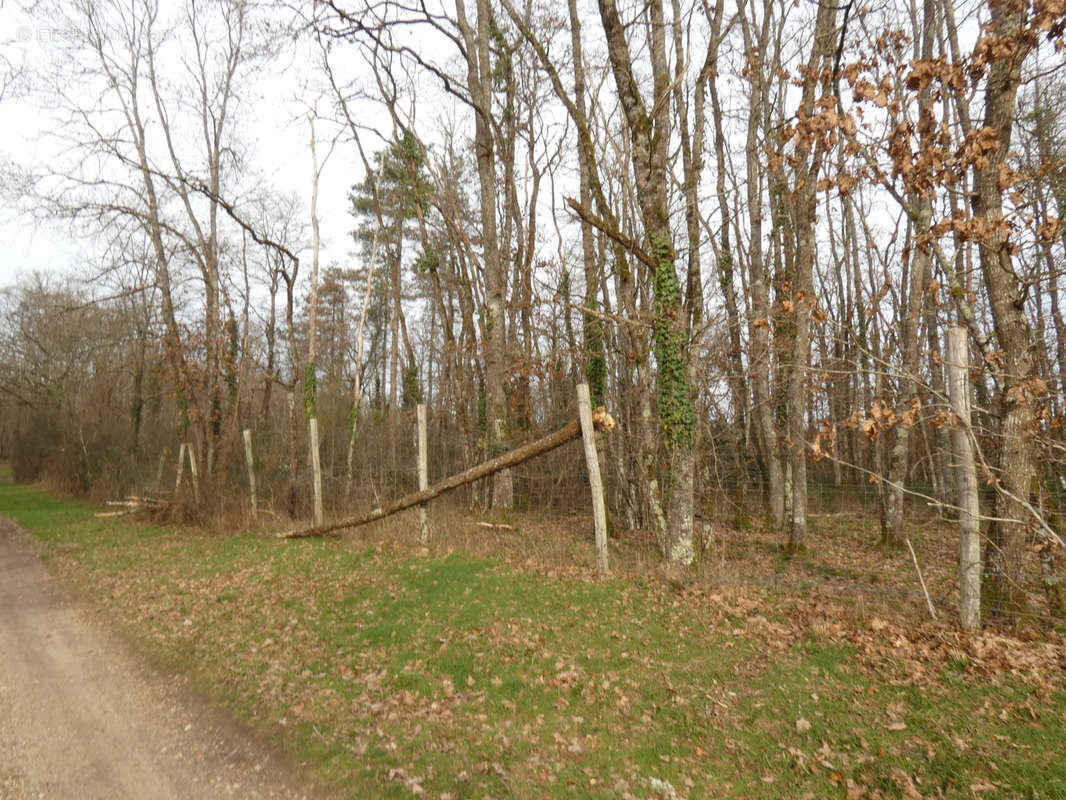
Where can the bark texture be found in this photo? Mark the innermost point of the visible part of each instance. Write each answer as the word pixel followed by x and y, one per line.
pixel 1005 553
pixel 649 133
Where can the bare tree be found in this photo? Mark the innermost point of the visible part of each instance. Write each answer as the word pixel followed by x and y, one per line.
pixel 810 149
pixel 153 153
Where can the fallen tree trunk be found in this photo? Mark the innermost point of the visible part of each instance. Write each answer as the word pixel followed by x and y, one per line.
pixel 600 418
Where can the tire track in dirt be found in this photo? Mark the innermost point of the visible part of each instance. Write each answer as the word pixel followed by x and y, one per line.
pixel 81 717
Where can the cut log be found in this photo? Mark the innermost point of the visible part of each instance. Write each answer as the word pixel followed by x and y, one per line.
pixel 496 526
pixel 135 503
pixel 600 418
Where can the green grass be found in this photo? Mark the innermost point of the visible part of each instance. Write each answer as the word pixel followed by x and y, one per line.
pixel 958 734
pixel 462 677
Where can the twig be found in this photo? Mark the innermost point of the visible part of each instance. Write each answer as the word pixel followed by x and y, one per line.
pixel 921 580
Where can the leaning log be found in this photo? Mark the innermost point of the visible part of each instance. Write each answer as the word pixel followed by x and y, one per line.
pixel 600 418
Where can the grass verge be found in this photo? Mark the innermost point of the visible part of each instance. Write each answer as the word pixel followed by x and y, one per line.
pixel 396 673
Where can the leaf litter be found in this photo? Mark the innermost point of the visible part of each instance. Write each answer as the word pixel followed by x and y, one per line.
pixel 351 651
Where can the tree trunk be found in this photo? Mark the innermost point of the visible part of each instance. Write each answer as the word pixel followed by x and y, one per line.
pixel 310 378
pixel 760 355
pixel 803 207
pixel 724 259
pixel 479 83
pixel 921 201
pixel 1005 593
pixel 649 135
pixel 595 358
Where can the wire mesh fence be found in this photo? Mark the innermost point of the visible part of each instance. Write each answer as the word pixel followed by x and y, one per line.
pixel 551 516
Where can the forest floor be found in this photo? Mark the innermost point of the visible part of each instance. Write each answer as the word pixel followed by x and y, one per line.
pixel 492 666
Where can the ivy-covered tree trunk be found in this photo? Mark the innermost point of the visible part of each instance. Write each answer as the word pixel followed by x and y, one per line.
pixel 649 134
pixel 674 399
pixel 595 358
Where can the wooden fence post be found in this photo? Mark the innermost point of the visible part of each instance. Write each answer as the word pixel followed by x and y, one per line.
pixel 958 362
pixel 316 464
pixel 251 468
pixel 157 487
pixel 194 471
pixel 181 468
pixel 423 474
pixel 592 461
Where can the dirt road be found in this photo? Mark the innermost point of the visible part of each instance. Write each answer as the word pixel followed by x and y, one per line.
pixel 81 717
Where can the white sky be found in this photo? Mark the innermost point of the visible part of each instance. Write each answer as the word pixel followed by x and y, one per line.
pixel 23 246
pixel 277 133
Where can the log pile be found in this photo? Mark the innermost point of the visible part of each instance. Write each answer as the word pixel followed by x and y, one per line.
pixel 132 503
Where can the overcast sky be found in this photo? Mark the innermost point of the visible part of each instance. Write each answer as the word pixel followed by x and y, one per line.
pixel 23 246
pixel 277 131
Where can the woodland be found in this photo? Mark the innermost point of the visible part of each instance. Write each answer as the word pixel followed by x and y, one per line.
pixel 750 227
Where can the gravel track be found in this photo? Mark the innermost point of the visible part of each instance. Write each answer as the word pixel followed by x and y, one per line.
pixel 81 716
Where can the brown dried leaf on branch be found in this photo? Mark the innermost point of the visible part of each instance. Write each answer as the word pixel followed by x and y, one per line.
pixel 883 413
pixel 824 443
pixel 1049 230
pixel 911 415
pixel 864 90
pixel 945 419
pixel 870 427
pixel 923 72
